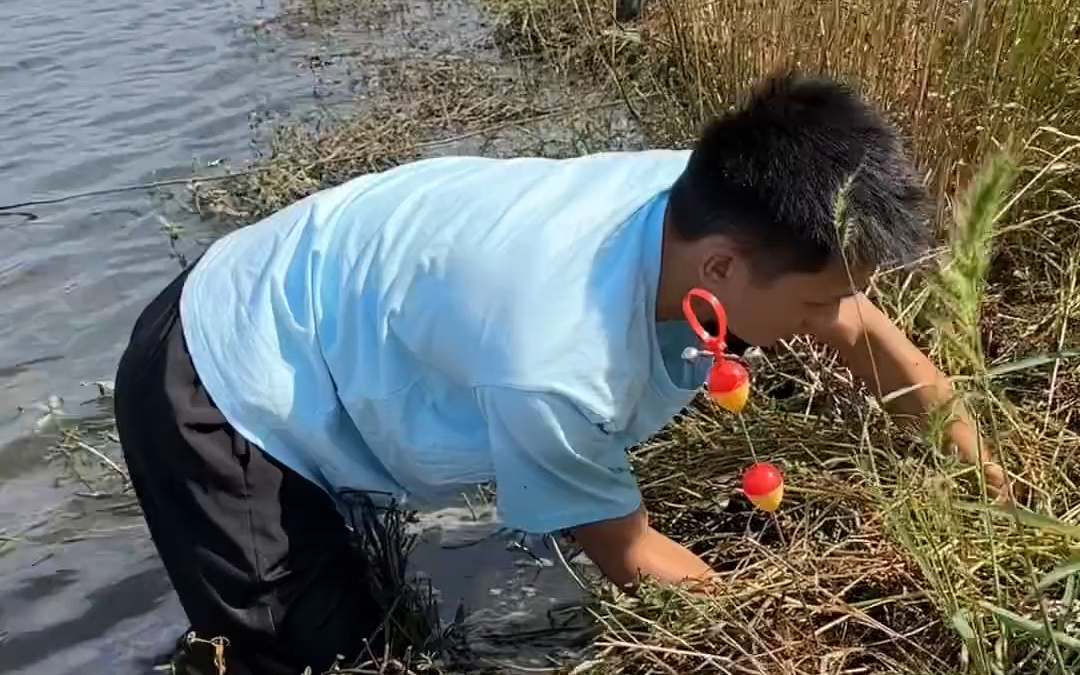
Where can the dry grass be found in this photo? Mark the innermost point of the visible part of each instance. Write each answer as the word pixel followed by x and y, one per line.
pixel 960 76
pixel 425 107
pixel 871 556
pixel 304 18
pixel 820 586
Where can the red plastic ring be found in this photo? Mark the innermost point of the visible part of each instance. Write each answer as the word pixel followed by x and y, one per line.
pixel 715 344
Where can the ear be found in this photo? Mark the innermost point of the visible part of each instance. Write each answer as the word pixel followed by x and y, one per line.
pixel 718 260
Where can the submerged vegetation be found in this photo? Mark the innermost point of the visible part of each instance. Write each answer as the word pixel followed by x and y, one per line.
pixel 886 556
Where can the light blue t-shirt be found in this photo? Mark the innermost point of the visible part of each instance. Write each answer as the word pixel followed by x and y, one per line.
pixel 451 322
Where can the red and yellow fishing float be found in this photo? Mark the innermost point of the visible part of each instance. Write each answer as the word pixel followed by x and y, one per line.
pixel 729 386
pixel 728 382
pixel 763 485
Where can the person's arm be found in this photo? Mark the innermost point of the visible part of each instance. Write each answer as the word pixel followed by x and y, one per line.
pixel 860 330
pixel 628 548
pixel 556 470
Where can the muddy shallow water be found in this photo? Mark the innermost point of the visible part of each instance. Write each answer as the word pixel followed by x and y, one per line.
pixel 105 93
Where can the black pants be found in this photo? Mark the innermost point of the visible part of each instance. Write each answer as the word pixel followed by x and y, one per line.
pixel 257 554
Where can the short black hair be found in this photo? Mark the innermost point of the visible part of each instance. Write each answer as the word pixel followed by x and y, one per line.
pixel 804 173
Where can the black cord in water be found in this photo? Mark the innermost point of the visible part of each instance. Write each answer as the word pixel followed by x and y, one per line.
pixel 115 190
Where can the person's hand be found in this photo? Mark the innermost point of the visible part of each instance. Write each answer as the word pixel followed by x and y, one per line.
pixel 998 485
pixel 628 548
pixel 967 444
pixel 997 482
pixel 708 587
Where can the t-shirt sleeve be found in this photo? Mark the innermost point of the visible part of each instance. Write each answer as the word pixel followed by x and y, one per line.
pixel 554 468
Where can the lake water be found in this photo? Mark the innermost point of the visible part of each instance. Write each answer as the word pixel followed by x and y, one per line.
pixel 94 95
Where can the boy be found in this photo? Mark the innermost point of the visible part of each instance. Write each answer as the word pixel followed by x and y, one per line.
pixel 459 320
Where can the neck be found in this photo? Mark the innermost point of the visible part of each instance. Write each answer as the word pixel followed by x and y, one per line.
pixel 676 277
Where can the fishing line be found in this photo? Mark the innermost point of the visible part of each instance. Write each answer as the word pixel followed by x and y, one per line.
pixel 746 435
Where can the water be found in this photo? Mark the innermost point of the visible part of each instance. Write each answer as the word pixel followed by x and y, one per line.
pixel 103 93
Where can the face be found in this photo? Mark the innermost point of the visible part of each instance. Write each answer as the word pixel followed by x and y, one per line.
pixel 764 311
